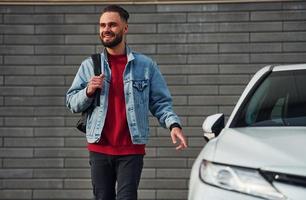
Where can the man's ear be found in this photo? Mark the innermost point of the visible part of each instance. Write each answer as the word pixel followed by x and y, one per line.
pixel 126 28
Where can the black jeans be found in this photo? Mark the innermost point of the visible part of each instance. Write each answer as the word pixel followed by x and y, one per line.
pixel 106 170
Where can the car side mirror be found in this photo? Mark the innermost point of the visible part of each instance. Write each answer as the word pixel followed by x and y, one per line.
pixel 213 125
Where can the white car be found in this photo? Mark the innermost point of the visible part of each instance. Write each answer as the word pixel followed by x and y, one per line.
pixel 261 151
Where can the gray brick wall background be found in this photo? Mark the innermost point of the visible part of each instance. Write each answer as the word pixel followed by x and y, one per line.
pixel 207 52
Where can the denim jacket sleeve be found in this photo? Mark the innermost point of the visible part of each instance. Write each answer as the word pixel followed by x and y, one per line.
pixel 76 98
pixel 160 100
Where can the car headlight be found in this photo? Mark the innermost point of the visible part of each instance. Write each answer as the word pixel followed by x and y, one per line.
pixel 244 180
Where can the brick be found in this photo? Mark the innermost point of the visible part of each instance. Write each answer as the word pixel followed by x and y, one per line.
pixel 142 28
pixel 82 39
pixel 179 8
pixel 250 6
pixel 295 26
pixel 65 9
pixel 188 28
pixel 231 89
pixel 75 142
pixel 33 163
pixel 17 91
pixel 15 194
pixel 156 38
pixel 189 131
pixel 16 132
pixel 34 39
pixel 51 111
pixel 278 15
pixel 279 58
pixel 33 142
pixel 61 173
pixel 62 194
pixel 16 173
pixel 195 110
pixel 196 142
pixel 187 49
pixel 160 142
pixel 218 58
pixel 64 49
pixel 165 162
pixel 294 5
pixel 175 80
pixel 16 152
pixel 65 29
pixel 146 194
pixel 179 100
pixel 158 18
pixel 33 184
pixel 172 194
pixel 75 60
pixel 196 121
pixel 33 121
pixel 170 173
pixel 10 9
pixel 278 37
pixel 163 183
pixel 33 80
pixel 46 91
pixel 56 132
pixel 250 47
pixel 239 68
pixel 55 70
pixel 212 100
pixel 16 111
pixel 82 19
pixel 191 90
pixel 219 79
pixel 218 37
pixel 172 152
pixel 218 17
pixel 77 184
pixel 16 49
pixel 14 29
pixel 33 19
pixel 189 69
pixel 76 162
pixel 34 101
pixel 144 49
pixel 170 59
pixel 60 152
pixel 137 8
pixel 294 47
pixel 250 27
pixel 14 70
pixel 34 60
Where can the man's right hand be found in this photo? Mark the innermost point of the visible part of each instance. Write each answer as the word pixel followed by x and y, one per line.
pixel 96 82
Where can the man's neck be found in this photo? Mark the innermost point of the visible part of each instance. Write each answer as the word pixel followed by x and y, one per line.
pixel 117 50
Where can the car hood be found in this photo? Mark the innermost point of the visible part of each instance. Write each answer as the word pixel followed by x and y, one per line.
pixel 278 149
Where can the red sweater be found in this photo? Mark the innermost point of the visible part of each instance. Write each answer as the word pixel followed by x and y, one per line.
pixel 115 137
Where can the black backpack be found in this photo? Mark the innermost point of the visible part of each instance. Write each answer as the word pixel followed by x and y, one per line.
pixel 81 124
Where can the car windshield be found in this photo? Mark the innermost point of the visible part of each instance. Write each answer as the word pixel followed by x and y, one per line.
pixel 280 100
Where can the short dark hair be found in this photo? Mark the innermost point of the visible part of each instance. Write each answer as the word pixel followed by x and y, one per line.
pixel 118 9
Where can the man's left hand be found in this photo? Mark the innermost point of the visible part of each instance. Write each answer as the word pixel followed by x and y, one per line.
pixel 177 133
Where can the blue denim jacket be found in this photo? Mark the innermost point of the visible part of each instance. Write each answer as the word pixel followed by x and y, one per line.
pixel 144 89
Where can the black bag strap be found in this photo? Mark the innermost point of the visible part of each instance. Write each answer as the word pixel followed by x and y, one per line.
pixel 96 58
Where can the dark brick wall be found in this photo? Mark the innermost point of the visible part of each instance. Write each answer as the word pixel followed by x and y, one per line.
pixel 207 52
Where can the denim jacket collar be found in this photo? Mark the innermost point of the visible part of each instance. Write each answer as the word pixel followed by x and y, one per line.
pixel 128 51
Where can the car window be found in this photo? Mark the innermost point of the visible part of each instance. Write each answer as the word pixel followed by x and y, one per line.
pixel 280 100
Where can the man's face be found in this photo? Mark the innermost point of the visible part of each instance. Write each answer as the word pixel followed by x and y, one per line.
pixel 112 29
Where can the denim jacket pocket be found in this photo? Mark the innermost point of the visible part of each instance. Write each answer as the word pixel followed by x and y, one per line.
pixel 140 92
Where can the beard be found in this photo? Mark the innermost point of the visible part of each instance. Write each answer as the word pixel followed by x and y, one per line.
pixel 111 43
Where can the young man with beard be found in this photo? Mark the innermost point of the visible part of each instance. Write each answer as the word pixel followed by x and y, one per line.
pixel 131 85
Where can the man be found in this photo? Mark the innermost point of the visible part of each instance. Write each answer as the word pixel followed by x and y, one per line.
pixel 131 85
